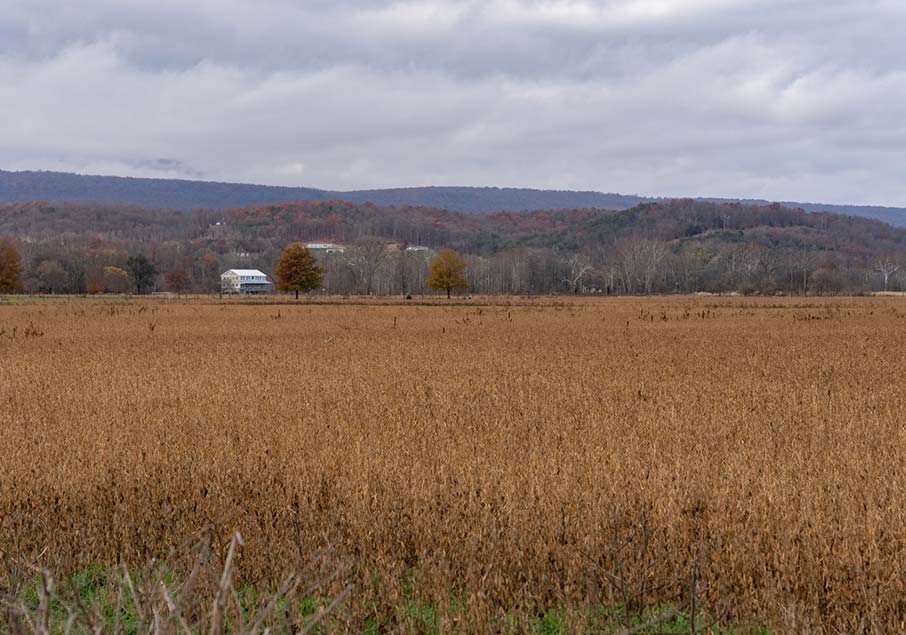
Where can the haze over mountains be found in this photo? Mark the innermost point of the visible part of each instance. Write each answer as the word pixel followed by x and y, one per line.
pixel 17 187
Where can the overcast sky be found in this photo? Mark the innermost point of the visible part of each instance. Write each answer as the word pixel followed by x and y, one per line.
pixel 780 99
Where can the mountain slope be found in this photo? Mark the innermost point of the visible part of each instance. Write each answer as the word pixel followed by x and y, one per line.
pixel 17 187
pixel 670 246
pixel 269 227
pixel 491 199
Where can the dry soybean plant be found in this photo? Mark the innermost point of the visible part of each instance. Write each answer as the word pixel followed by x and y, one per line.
pixel 476 465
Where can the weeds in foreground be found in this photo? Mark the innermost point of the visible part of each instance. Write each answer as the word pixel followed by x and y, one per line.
pixel 205 601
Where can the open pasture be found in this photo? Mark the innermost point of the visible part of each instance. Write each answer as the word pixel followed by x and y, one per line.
pixel 496 455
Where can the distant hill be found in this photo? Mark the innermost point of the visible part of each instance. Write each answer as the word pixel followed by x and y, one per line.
pixel 891 215
pixel 492 199
pixel 679 245
pixel 58 187
pixel 17 187
pixel 264 228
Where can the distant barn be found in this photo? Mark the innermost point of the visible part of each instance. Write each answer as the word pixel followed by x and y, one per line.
pixel 245 282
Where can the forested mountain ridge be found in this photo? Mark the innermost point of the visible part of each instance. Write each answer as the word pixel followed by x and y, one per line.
pixel 17 187
pixel 259 227
pixel 680 245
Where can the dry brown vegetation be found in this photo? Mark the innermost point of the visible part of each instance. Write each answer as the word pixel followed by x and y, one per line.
pixel 499 456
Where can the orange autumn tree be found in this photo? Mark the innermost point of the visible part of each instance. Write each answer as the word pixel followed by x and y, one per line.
pixel 177 280
pixel 448 272
pixel 10 267
pixel 298 270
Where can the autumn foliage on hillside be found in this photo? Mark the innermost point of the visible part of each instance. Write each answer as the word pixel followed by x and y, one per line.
pixel 343 222
pixel 701 246
pixel 16 187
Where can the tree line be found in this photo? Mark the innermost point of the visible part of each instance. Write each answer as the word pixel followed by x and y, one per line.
pixel 371 266
pixel 298 271
pixel 672 247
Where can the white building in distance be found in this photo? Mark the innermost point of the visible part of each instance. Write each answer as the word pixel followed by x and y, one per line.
pixel 245 282
pixel 328 248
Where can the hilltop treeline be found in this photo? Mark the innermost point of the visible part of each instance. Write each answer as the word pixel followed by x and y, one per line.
pixel 17 187
pixel 186 194
pixel 672 246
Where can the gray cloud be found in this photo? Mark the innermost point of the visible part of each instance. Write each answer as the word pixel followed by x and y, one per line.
pixel 795 99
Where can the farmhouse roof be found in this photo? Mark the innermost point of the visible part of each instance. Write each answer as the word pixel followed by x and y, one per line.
pixel 246 272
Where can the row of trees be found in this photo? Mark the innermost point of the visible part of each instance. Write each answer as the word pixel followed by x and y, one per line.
pixel 631 266
pixel 372 266
pixel 49 275
pixel 298 271
pixel 670 246
pixel 642 266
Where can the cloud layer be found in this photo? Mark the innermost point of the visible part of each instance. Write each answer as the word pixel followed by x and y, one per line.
pixel 795 99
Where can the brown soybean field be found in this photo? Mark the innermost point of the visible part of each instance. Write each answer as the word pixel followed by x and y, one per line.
pixel 491 464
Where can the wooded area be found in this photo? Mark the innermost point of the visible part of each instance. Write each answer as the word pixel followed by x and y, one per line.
pixel 24 186
pixel 680 246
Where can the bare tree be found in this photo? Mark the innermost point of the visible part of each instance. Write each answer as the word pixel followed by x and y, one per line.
pixel 365 257
pixel 640 263
pixel 338 275
pixel 730 265
pixel 579 268
pixel 886 265
pixel 750 259
pixel 51 277
pixel 208 271
pixel 518 265
pixel 757 265
pixel 689 267
pixel 409 271
pixel 802 262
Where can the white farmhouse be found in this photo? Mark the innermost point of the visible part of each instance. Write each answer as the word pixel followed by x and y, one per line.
pixel 245 282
